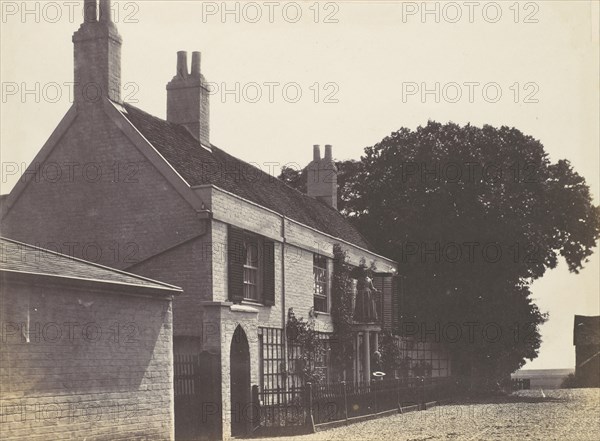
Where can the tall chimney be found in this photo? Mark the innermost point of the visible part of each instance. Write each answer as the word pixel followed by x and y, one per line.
pixel 321 181
pixel 316 152
pixel 97 56
pixel 328 152
pixel 188 98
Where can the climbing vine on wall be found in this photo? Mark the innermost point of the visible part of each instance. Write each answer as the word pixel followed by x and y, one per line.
pixel 391 356
pixel 342 352
pixel 307 347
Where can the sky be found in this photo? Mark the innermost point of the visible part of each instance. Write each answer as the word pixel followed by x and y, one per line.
pixel 287 75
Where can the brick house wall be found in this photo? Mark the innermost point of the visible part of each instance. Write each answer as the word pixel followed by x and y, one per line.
pixel 187 265
pixel 98 363
pixel 147 204
pixel 191 252
pixel 116 213
pixel 112 220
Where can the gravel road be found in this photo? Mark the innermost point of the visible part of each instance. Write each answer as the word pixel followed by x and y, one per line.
pixel 560 414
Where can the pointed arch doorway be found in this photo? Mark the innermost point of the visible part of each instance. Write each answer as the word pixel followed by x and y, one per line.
pixel 239 359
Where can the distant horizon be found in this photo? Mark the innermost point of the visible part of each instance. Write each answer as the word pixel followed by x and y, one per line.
pixel 552 369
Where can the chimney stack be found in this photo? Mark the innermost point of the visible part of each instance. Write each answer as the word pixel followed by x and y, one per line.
pixel 316 152
pixel 321 181
pixel 188 98
pixel 97 45
pixel 196 64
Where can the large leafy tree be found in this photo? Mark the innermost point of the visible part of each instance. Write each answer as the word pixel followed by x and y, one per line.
pixel 473 216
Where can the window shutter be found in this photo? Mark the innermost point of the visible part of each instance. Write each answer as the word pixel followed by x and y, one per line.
pixel 386 303
pixel 398 301
pixel 235 263
pixel 269 272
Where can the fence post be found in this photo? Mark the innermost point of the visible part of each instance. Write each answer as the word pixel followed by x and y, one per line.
pixel 310 421
pixel 422 393
pixel 374 384
pixel 345 402
pixel 398 395
pixel 255 408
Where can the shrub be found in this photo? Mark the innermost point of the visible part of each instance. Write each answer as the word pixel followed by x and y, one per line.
pixel 569 382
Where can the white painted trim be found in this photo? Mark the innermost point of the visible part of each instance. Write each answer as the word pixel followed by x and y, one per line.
pixel 91 279
pixel 243 308
pixel 283 217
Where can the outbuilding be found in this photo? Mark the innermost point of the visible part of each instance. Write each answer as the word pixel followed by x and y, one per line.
pixel 586 338
pixel 86 350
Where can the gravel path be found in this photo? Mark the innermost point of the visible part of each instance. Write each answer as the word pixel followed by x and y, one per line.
pixel 562 415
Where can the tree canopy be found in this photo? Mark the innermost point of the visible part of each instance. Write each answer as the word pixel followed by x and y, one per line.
pixel 473 216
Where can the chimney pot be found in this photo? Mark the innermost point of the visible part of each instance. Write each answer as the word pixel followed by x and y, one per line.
pixel 182 64
pixel 328 152
pixel 105 11
pixel 90 11
pixel 196 64
pixel 316 152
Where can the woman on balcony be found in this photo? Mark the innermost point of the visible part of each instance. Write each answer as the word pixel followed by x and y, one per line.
pixel 365 309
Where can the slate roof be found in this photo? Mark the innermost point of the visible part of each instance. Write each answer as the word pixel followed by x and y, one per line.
pixel 3 199
pixel 586 330
pixel 198 166
pixel 21 258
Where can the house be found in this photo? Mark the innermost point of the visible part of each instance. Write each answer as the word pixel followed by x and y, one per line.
pixel 87 351
pixel 586 339
pixel 158 199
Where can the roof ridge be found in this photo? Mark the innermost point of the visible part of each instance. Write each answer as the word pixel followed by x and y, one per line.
pixel 304 195
pixel 283 198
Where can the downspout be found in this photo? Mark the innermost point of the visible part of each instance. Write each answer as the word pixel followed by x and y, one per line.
pixel 283 311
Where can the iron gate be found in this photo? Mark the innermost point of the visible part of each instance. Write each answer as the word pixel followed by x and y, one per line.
pixel 197 412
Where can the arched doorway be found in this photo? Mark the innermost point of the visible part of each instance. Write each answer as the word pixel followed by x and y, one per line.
pixel 239 360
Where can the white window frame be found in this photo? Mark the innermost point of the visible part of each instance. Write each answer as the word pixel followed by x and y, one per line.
pixel 253 290
pixel 325 284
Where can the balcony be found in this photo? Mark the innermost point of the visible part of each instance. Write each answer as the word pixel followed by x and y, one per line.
pixel 367 308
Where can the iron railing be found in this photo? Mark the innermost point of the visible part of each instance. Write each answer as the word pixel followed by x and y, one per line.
pixel 321 403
